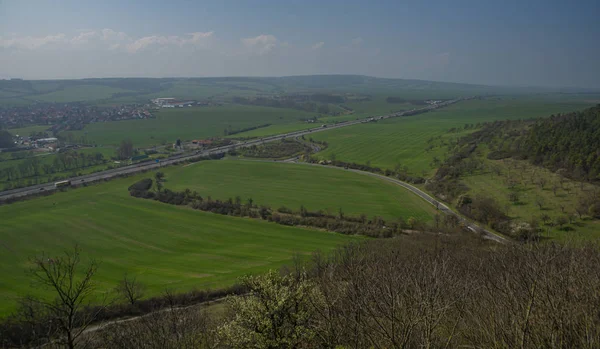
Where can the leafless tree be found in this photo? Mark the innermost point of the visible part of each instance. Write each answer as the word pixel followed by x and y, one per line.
pixel 130 289
pixel 72 286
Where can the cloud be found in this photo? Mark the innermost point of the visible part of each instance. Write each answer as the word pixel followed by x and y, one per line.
pixel 105 39
pixel 30 42
pixel 84 37
pixel 261 44
pixel 318 45
pixel 197 39
pixel 357 41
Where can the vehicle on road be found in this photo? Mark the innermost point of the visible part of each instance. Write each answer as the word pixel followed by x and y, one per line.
pixel 62 184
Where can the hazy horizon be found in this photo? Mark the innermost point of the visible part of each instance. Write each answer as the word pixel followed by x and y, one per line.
pixel 540 43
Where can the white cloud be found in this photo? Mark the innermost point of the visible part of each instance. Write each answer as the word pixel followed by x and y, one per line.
pixel 261 44
pixel 318 45
pixel 84 37
pixel 357 41
pixel 197 39
pixel 109 34
pixel 30 42
pixel 105 39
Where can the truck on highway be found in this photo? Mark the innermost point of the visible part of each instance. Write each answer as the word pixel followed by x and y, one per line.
pixel 62 184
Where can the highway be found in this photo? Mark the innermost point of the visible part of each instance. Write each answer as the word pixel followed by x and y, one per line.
pixel 145 166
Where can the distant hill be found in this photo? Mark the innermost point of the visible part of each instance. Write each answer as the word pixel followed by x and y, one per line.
pixel 128 90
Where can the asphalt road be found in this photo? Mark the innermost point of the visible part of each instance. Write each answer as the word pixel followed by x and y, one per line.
pixel 98 176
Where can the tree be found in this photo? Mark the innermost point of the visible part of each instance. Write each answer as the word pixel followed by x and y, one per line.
pixel 562 220
pixel 411 222
pixel 125 150
pixel 276 313
pixel 6 140
pixel 158 176
pixel 513 196
pixel 130 289
pixel 72 286
pixel 539 201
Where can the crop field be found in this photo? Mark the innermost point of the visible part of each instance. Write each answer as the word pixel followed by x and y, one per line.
pixel 292 185
pixel 78 94
pixel 165 246
pixel 188 124
pixel 26 131
pixel 402 141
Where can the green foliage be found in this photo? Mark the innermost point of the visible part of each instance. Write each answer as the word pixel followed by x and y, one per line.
pixel 274 150
pixel 142 185
pixel 569 141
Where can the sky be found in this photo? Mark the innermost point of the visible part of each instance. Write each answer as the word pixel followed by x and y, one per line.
pixel 518 43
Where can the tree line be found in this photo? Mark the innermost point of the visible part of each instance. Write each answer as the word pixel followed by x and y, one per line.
pixel 36 166
pixel 229 131
pixel 273 150
pixel 567 142
pixel 399 172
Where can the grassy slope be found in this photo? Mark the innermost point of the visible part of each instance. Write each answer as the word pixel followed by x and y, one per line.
pixel 403 140
pixel 292 185
pixel 527 175
pixel 167 246
pixel 188 124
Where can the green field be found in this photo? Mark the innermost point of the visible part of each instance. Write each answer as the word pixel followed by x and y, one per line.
pixel 403 140
pixel 26 131
pixel 292 185
pixel 188 124
pixel 166 246
pixel 78 94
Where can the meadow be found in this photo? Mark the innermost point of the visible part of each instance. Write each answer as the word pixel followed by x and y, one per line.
pixel 179 248
pixel 317 188
pixel 165 246
pixel 403 141
pixel 188 124
pixel 561 202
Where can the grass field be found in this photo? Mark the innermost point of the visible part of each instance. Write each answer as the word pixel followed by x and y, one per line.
pixel 78 94
pixel 292 185
pixel 403 140
pixel 188 124
pixel 26 131
pixel 166 246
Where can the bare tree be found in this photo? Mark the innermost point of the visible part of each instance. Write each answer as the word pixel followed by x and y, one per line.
pixel 72 286
pixel 130 289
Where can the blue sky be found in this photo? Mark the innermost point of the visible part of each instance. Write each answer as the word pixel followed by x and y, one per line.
pixel 541 43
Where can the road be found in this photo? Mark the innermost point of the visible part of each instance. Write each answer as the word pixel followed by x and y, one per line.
pixel 99 176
